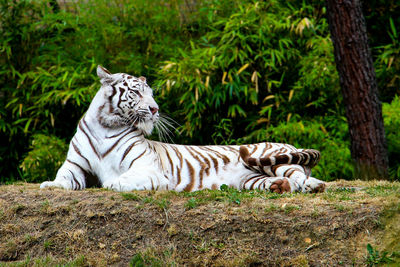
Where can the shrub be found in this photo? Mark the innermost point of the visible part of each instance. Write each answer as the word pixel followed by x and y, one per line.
pixel 335 163
pixel 391 116
pixel 49 55
pixel 265 59
pixel 44 159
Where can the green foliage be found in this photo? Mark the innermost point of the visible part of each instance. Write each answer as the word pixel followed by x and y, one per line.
pixel 131 196
pixel 191 203
pixel 140 260
pixel 253 62
pixel 151 257
pixel 332 142
pixel 50 54
pixel 227 71
pixel 376 258
pixel 391 117
pixel 79 261
pixel 137 261
pixel 232 193
pixel 44 159
pixel 47 244
pixel 387 64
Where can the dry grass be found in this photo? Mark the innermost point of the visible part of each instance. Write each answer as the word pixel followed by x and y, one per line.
pixel 97 227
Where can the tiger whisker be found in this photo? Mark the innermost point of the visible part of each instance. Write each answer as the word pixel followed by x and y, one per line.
pixel 163 128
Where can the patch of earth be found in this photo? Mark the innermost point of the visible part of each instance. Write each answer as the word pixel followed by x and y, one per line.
pixel 96 227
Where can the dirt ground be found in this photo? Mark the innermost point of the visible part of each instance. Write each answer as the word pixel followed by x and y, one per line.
pixel 96 227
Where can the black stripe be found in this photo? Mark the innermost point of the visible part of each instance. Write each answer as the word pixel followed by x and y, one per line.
pixel 190 185
pixel 87 126
pixel 130 165
pixel 118 134
pixel 130 138
pixel 256 180
pixel 178 169
pixel 111 109
pixel 114 145
pixel 90 140
pixel 169 159
pixel 80 154
pixel 127 151
pixel 224 157
pixel 121 91
pixel 202 164
pixel 75 180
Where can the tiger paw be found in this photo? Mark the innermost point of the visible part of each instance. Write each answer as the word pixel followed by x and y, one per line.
pixel 281 186
pixel 64 185
pixel 313 185
pixel 124 183
pixel 120 186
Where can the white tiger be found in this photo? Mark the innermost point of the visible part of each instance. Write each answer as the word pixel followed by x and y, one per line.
pixel 109 149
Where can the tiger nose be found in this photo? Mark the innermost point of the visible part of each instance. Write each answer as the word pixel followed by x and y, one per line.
pixel 153 110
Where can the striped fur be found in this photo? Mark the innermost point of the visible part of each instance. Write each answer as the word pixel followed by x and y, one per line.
pixel 305 157
pixel 109 149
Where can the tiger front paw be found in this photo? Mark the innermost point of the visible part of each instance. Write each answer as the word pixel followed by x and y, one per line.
pixel 124 185
pixel 313 185
pixel 58 184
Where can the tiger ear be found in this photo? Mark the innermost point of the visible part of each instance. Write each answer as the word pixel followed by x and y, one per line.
pixel 104 74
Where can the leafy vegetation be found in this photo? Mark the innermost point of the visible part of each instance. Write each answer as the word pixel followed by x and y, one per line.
pixel 45 158
pixel 376 258
pixel 244 71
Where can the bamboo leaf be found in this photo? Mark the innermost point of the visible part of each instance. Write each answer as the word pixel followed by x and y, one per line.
pixel 268 97
pixel 207 81
pixel 242 68
pixel 393 28
pixel 223 77
pixel 323 129
pixel 290 95
pixel 288 117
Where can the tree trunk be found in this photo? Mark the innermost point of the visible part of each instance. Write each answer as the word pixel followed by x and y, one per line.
pixel 359 88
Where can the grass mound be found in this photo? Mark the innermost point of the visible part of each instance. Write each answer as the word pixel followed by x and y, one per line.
pixel 351 223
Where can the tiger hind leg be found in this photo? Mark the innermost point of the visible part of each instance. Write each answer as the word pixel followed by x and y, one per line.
pixel 300 176
pixel 274 184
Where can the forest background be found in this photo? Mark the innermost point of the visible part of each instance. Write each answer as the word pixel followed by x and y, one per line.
pixel 228 72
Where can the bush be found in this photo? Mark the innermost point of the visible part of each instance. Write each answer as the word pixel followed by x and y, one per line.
pixel 259 65
pixel 49 56
pixel 44 159
pixel 335 163
pixel 391 118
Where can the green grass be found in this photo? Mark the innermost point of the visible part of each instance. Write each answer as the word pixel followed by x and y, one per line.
pixel 131 196
pixel 378 258
pixel 152 257
pixel 48 261
pixel 383 190
pixel 237 197
pixel 191 203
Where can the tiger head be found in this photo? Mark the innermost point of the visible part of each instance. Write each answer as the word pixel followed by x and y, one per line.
pixel 126 101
